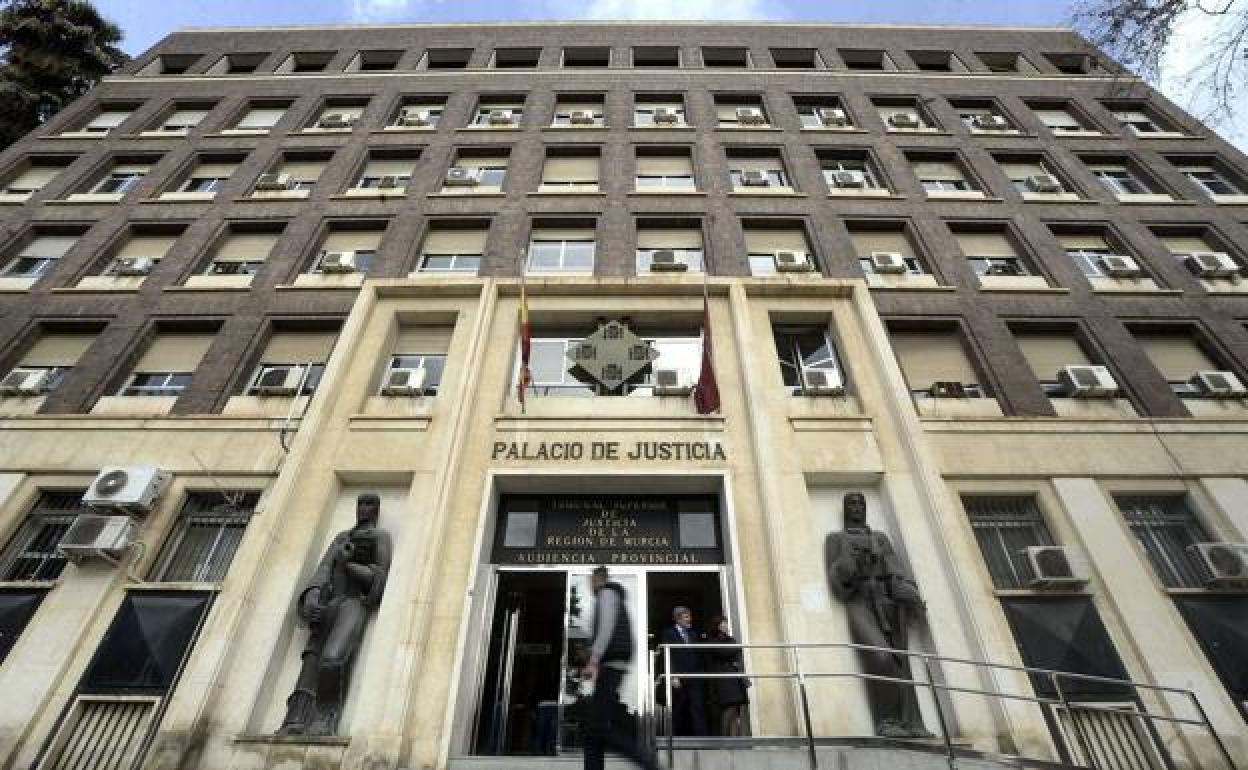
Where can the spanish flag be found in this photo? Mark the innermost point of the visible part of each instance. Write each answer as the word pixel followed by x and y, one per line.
pixel 526 347
pixel 706 392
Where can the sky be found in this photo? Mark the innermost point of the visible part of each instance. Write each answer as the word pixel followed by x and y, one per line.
pixel 146 21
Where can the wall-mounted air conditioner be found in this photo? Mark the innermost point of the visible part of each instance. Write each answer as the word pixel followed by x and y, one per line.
pixel 947 389
pixel 1219 384
pixel 888 262
pixel 754 178
pixel 671 382
pixel 1055 566
pixel 273 181
pixel 133 265
pixel 1087 381
pixel 822 382
pixel 666 116
pixel 665 261
pixel 581 117
pixel 1043 183
pixel 338 262
pixel 849 179
pixel 460 176
pixel 93 536
pixel 502 118
pixel 278 380
pixel 26 382
pixel 414 118
pixel 833 117
pixel 335 120
pixel 751 116
pixel 991 123
pixel 793 262
pixel 903 120
pixel 132 488
pixel 1119 266
pixel 404 382
pixel 1223 564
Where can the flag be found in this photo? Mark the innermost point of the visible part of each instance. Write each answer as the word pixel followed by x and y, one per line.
pixel 706 392
pixel 526 347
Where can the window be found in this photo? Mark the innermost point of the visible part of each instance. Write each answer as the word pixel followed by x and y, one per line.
pixel 1220 624
pixel 903 115
pixel 39 255
pixel 1165 527
pixel 796 58
pixel 121 179
pixel 417 113
pixel 209 175
pixel 729 58
pixel 375 61
pixel 859 59
pixel 296 173
pixel 1178 356
pixel 1004 61
pixel 753 171
pixel 561 249
pixel 991 253
pixel 587 57
pixel 884 238
pixel 451 248
pixel 553 377
pixel 237 64
pixel 166 365
pixel 764 239
pixel 1182 242
pixel 1005 526
pixel 1072 63
pixel 338 115
pixel 847 174
pixel 170 64
pixel 1086 249
pixel 31 553
pixel 183 119
pixel 1121 180
pixel 942 175
pixel 683 239
pixel 362 241
pixel 516 58
pixel 33 176
pixel 1141 121
pixel 579 111
pixel 242 251
pixel 570 171
pixel 447 58
pixel 802 349
pixel 260 117
pixel 741 112
pixel 106 120
pixel 981 116
pixel 1048 352
pixel 483 171
pixel 827 112
pixel 205 536
pixel 663 170
pixel 1061 118
pixel 934 355
pixel 386 172
pixel 305 63
pixel 659 112
pixel 292 362
pixel 16 610
pixel 1065 633
pixel 55 352
pixel 1031 176
pixel 141 244
pixel 1214 180
pixel 499 112
pixel 936 61
pixel 656 56
pixel 144 648
pixel 422 348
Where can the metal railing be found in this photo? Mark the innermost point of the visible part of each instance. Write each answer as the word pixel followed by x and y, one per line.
pixel 799 674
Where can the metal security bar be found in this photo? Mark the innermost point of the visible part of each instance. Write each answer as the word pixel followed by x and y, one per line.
pixel 209 530
pixel 1166 527
pixel 32 554
pixel 102 733
pixel 1005 526
pixel 1094 727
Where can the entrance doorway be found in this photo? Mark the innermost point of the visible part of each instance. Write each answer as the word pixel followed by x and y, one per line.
pixel 534 700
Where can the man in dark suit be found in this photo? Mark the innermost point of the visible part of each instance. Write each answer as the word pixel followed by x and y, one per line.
pixel 688 695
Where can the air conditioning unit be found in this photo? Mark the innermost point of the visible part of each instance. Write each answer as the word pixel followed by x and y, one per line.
pixel 822 382
pixel 581 117
pixel 502 118
pixel 226 268
pixel 462 177
pixel 991 122
pixel 335 120
pixel 280 380
pixel 1087 381
pixel 888 262
pixel 1223 564
pixel 793 262
pixel 1043 183
pixel 273 181
pixel 947 389
pixel 1212 264
pixel 338 262
pixel 666 116
pixel 387 183
pixel 414 118
pixel 671 382
pixel 751 116
pixel 92 536
pixel 849 178
pixel 404 382
pixel 1219 384
pixel 27 382
pixel 1119 266
pixel 665 261
pixel 1003 268
pixel 133 265
pixel 1055 566
pixel 833 116
pixel 754 178
pixel 129 488
pixel 903 120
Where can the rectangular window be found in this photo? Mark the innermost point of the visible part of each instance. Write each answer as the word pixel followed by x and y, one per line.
pixel 121 179
pixel 764 243
pixel 31 554
pixel 560 250
pixel 572 111
pixel 105 121
pixel 1030 176
pixel 1178 357
pixel 656 56
pixel 499 113
pixel 668 171
pixel 33 178
pixel 684 243
pixel 475 173
pixel 516 58
pixel 1212 180
pixel 552 376
pixel 1005 526
pixel 362 244
pixel 166 366
pixel 339 116
pixel 929 356
pixel 570 173
pixel 1065 633
pixel 55 353
pixel 587 57
pixel 903 116
pixel 758 173
pixel 1086 250
pixel 386 173
pixel 740 112
pixel 209 176
pixel 865 60
pixel 1165 527
pixel 848 173
pixel 991 253
pixel 822 113
pixel 16 610
pixel 453 249
pixel 1059 120
pixel 1139 121
pixel 261 118
pixel 1220 624
pixel 1122 180
pixel 417 114
pixel 39 255
pixel 143 650
pixel 292 362
pixel 183 119
pixel 801 350
pixel 938 175
pixel 422 348
pixel 205 537
pixel 141 246
pixel 659 112
pixel 876 239
pixel 1047 353
pixel 242 252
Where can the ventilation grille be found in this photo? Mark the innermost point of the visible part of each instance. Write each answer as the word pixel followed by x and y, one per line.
pixel 102 733
pixel 1115 741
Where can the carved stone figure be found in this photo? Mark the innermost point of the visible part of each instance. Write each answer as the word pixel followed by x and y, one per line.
pixel 335 604
pixel 880 598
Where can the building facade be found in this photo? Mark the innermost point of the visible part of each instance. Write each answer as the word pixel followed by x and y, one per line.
pixel 978 275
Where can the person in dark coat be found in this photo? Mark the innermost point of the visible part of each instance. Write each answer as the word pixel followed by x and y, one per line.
pixel 688 694
pixel 727 696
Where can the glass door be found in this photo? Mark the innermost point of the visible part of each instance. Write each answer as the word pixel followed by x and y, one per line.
pixel 575 691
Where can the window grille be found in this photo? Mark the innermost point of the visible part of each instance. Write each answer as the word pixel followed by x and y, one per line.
pixel 1004 526
pixel 32 554
pixel 207 534
pixel 1165 528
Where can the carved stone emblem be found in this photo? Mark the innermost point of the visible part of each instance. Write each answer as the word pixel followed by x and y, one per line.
pixel 611 356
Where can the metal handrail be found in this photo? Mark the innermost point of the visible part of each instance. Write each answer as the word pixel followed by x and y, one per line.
pixel 800 676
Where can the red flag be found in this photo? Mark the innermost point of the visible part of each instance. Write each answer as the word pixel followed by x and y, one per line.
pixel 526 347
pixel 706 392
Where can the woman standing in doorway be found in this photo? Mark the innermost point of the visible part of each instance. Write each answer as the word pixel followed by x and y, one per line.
pixel 727 695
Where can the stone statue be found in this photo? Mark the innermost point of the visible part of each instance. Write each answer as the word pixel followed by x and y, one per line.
pixel 347 584
pixel 880 598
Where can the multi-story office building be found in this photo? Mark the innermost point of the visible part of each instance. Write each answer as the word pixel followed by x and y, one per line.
pixel 976 274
